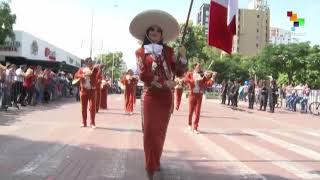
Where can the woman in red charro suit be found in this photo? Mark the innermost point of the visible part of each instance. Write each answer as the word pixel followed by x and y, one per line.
pixel 179 91
pixel 88 85
pixel 197 81
pixel 157 66
pixel 129 82
pixel 105 84
pixel 98 87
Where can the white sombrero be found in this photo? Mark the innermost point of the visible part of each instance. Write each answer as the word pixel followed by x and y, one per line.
pixel 145 19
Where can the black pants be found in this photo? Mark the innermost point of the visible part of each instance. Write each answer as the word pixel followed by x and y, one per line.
pixel 235 100
pixel 272 102
pixel 263 101
pixel 251 100
pixel 224 97
pixel 229 100
pixel 18 93
pixel 30 94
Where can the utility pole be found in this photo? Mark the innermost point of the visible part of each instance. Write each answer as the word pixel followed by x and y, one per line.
pixel 91 34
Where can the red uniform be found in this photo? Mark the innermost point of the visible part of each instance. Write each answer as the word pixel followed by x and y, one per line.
pixel 156 102
pixel 104 95
pixel 98 89
pixel 196 88
pixel 88 87
pixel 178 92
pixel 129 90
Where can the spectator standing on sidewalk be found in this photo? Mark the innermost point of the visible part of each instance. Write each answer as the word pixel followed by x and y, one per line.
pixel 229 94
pixel 299 95
pixel 251 93
pixel 264 95
pixel 304 101
pixel 19 91
pixel 272 94
pixel 2 87
pixel 224 90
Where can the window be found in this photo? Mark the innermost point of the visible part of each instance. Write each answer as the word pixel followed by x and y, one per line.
pixel 257 45
pixel 258 16
pixel 257 30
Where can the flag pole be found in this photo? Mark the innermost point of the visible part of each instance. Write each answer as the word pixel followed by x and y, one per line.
pixel 187 22
pixel 185 29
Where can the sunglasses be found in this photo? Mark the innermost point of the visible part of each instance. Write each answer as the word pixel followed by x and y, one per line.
pixel 155 29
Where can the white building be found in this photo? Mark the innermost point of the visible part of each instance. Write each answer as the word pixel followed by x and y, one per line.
pixel 31 48
pixel 282 36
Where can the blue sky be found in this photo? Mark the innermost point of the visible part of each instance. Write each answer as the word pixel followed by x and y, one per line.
pixel 66 23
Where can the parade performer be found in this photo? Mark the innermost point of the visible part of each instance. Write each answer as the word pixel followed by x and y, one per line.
pixel 129 82
pixel 179 91
pixel 105 84
pixel 157 65
pixel 88 85
pixel 197 81
pixel 98 87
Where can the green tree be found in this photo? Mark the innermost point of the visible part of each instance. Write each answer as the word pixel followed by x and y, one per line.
pixel 195 41
pixel 7 19
pixel 113 59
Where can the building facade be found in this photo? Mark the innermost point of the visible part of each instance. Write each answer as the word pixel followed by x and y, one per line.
pixel 282 36
pixel 203 17
pixel 31 48
pixel 253 28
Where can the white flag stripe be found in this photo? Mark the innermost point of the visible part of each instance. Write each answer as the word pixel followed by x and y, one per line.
pixel 216 152
pixel 232 10
pixel 222 2
pixel 289 146
pixel 278 160
pixel 295 137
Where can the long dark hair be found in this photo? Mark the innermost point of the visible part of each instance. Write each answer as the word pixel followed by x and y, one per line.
pixel 146 39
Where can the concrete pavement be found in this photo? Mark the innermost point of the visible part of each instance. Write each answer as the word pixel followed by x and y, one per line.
pixel 46 143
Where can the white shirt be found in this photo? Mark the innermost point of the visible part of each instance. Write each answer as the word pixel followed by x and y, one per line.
pixel 196 78
pixel 86 84
pixel 19 75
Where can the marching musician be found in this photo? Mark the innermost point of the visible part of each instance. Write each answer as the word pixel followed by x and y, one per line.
pixel 98 87
pixel 88 85
pixel 197 81
pixel 105 84
pixel 129 82
pixel 179 90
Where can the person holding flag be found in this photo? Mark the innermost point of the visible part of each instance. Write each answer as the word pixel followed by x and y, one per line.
pixel 157 66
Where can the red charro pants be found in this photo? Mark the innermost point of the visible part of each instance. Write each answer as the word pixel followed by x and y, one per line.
pixel 103 98
pixel 98 91
pixel 195 100
pixel 85 97
pixel 178 97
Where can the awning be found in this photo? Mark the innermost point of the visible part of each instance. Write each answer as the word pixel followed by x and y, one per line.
pixel 53 65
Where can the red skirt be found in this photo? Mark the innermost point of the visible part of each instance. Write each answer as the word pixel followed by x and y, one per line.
pixel 156 111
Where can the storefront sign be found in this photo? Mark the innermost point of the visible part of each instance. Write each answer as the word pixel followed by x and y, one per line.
pixel 10 46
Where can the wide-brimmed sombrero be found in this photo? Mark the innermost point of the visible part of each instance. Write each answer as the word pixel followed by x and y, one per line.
pixel 145 19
